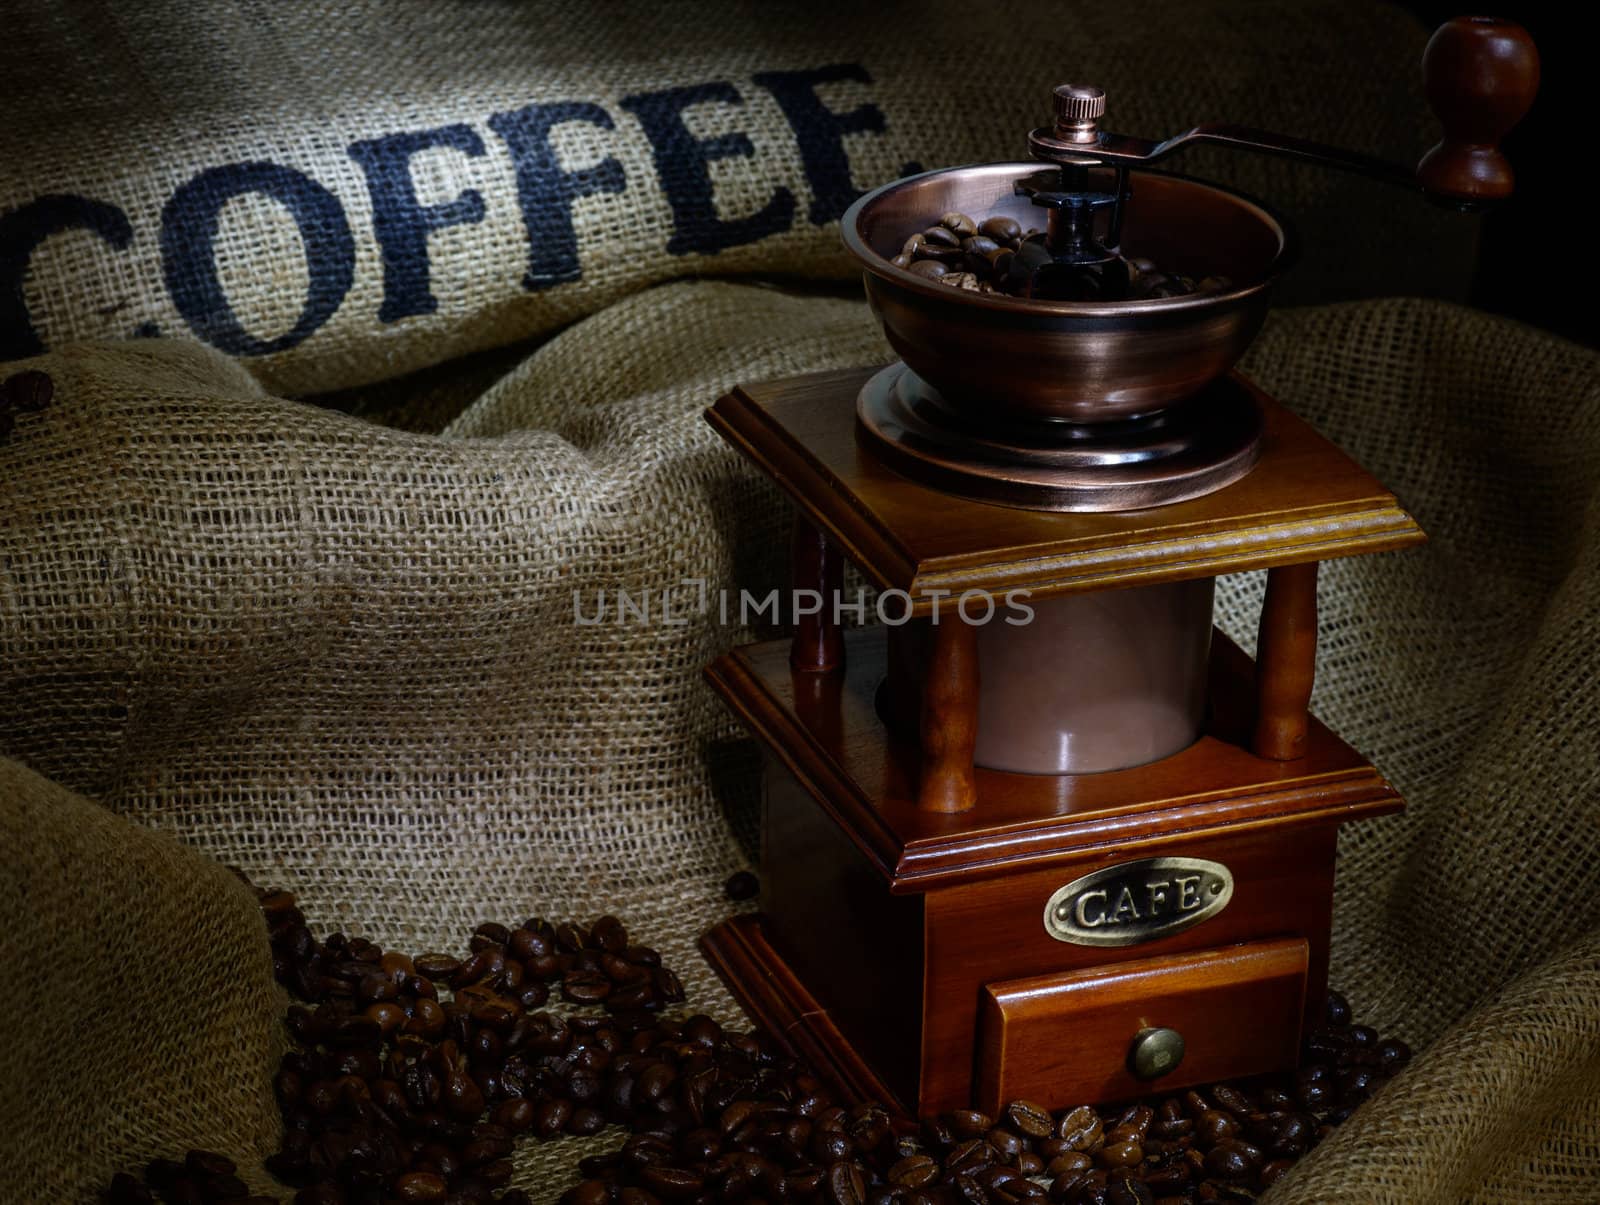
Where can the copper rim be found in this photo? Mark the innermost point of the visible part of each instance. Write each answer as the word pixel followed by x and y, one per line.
pixel 1190 450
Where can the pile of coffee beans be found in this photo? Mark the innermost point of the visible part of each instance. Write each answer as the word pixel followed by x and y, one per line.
pixel 963 253
pixel 782 1139
pixel 995 255
pixel 203 1178
pixel 23 393
pixel 413 1078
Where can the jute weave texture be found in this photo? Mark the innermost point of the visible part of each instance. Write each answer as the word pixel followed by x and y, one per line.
pixel 344 658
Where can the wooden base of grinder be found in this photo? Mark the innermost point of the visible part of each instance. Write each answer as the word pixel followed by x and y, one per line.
pixel 911 957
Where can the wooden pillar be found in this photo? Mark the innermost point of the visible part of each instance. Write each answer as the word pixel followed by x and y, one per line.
pixel 950 719
pixel 818 646
pixel 1286 661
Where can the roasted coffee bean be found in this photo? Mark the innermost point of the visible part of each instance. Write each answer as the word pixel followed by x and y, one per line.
pixel 960 223
pixel 463 1099
pixel 743 885
pixel 569 938
pixel 970 1155
pixel 1336 1010
pixel 1293 1134
pixel 610 935
pixel 1030 1119
pixel 656 1081
pixel 672 1183
pixel 1233 1160
pixel 1214 1126
pixel 585 987
pixel 1135 1120
pixel 1071 1161
pixel 1081 1129
pixel 1231 1099
pixel 667 984
pixel 844 1184
pixel 1326 1045
pixel 1315 1094
pixel 1007 1143
pixel 494 932
pixel 969 1123
pixel 590 1192
pixel 357 1032
pixel 1125 1189
pixel 1393 1055
pixel 420 1186
pixel 1172 1177
pixel 29 391
pixel 525 944
pixel 1000 228
pixel 1120 1154
pixel 209 1163
pixel 437 966
pixel 803 1183
pixel 979 248
pixel 914 1171
pixel 1356 1084
pixel 830 1146
pixel 1272 1172
pixel 1277 1100
pixel 997 1176
pixel 939 236
pixel 387 1017
pixel 375 988
pixel 931 268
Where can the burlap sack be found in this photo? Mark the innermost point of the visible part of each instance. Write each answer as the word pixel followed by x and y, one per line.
pixel 143 1010
pixel 343 191
pixel 345 659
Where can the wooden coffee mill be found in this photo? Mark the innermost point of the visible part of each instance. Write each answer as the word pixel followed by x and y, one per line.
pixel 1075 858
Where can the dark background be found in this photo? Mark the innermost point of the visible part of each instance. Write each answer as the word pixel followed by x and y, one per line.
pixel 1539 262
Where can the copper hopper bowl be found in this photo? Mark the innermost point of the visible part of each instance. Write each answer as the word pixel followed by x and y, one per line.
pixel 995 356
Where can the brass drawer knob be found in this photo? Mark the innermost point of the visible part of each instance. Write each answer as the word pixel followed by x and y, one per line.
pixel 1155 1052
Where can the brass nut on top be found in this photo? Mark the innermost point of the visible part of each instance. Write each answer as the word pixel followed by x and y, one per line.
pixel 1078 109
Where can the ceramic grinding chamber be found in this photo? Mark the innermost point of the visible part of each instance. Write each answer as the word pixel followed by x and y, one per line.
pixel 1070 856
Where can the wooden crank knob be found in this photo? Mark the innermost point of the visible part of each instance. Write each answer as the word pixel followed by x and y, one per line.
pixel 1480 75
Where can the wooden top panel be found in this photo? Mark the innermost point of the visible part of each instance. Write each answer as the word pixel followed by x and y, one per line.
pixel 1305 501
pixel 825 729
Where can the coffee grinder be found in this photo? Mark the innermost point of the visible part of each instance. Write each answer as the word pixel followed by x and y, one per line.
pixel 1089 855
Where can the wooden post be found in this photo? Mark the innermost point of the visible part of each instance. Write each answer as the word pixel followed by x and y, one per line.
pixel 1286 661
pixel 814 565
pixel 950 719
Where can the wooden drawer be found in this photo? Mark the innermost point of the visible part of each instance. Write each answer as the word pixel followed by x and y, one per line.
pixel 1064 1039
